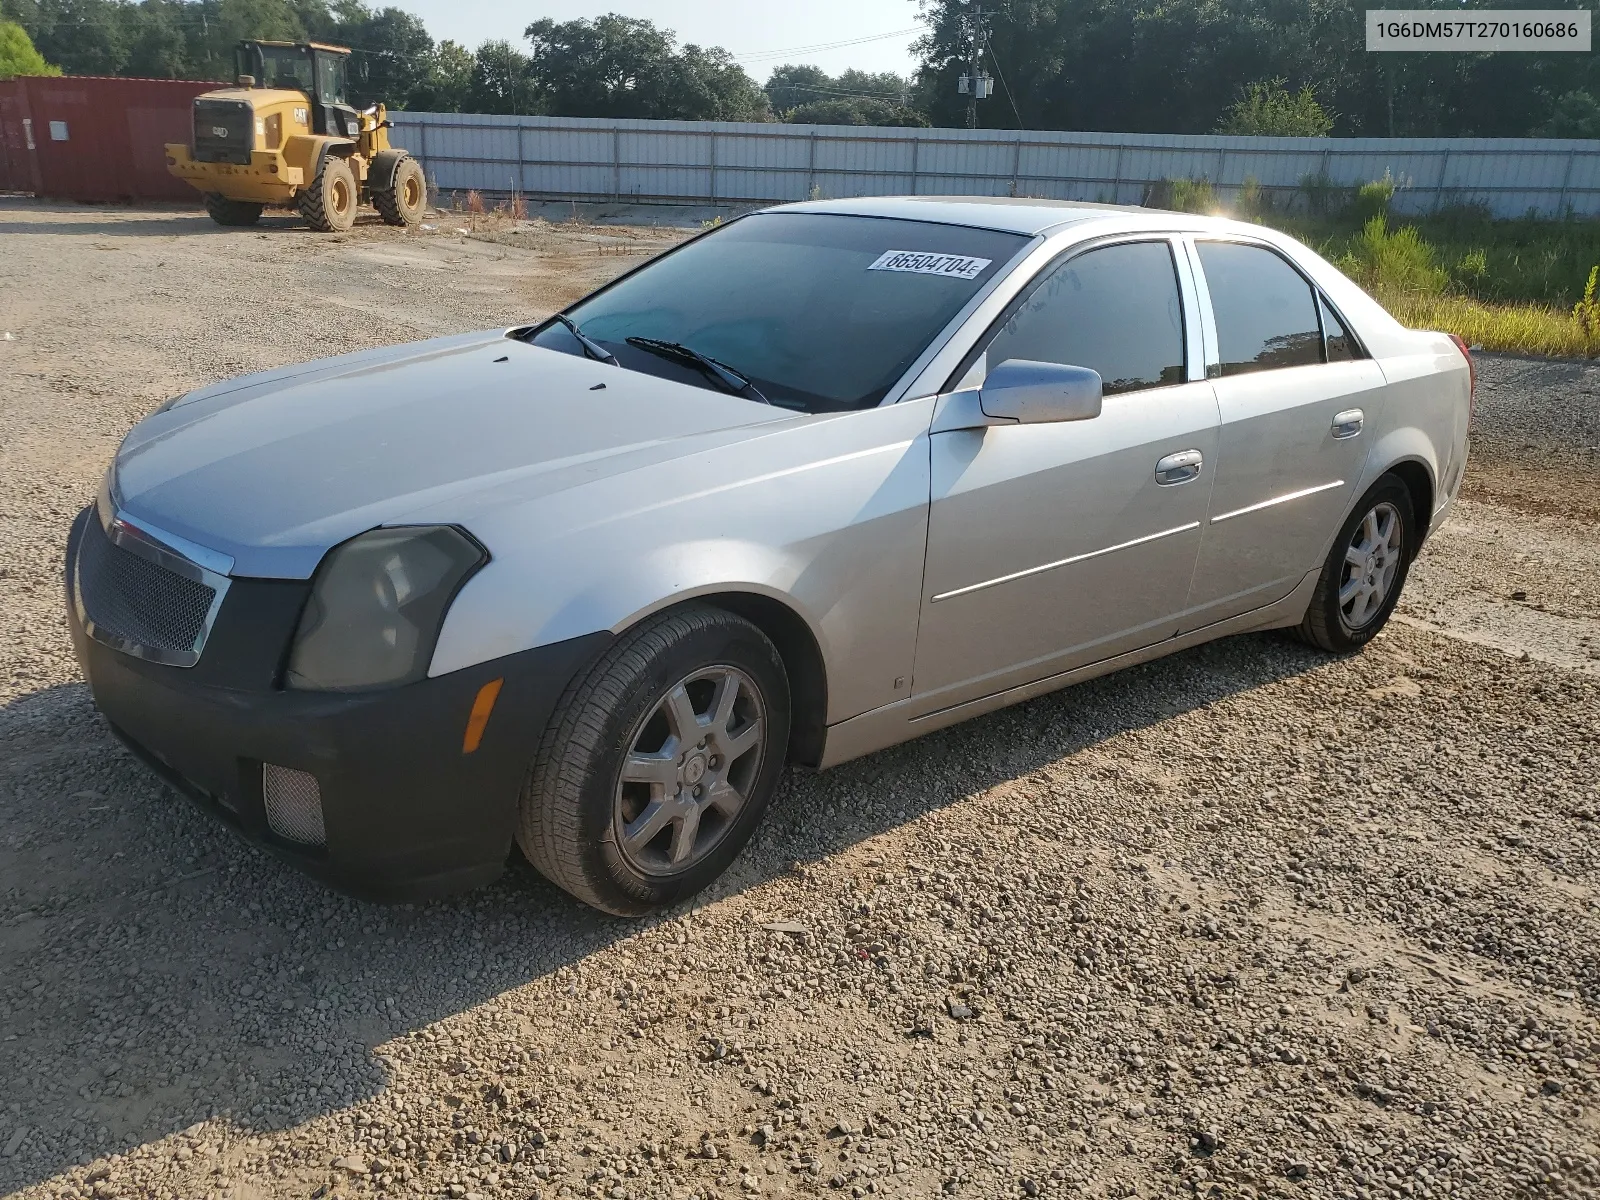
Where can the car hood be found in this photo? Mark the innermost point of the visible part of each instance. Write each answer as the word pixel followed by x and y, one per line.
pixel 273 469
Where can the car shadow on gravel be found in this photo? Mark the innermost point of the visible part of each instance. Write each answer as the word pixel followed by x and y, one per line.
pixel 155 971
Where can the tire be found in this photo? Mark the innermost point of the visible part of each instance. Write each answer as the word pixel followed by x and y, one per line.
pixel 232 212
pixel 589 831
pixel 328 203
pixel 1371 553
pixel 407 200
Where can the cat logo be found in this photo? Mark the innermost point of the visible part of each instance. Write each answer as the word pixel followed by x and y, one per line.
pixel 219 131
pixel 300 115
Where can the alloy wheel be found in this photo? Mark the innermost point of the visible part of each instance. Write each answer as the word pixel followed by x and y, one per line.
pixel 1371 561
pixel 691 764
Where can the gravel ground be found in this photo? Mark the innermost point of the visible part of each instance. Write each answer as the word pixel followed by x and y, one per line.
pixel 1247 921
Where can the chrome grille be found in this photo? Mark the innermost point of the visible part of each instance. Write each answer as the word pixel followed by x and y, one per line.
pixel 294 804
pixel 133 602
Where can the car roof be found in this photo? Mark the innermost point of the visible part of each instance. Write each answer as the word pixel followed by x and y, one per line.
pixel 1009 214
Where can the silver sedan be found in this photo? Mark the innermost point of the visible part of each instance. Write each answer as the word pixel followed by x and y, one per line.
pixel 824 479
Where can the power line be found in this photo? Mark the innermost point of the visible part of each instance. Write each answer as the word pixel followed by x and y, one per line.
pixel 1015 111
pixel 876 37
pixel 831 91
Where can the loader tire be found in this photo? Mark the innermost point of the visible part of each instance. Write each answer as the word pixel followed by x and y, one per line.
pixel 232 212
pixel 328 203
pixel 407 201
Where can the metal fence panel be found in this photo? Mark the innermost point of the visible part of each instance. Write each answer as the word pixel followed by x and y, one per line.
pixel 725 162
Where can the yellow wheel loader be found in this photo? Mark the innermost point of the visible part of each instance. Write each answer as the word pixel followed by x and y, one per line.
pixel 287 135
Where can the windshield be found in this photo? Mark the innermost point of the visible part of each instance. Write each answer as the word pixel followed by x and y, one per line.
pixel 821 312
pixel 284 67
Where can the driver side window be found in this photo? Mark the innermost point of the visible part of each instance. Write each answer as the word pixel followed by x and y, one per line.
pixel 1115 310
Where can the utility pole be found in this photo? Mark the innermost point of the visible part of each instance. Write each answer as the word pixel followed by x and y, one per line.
pixel 975 85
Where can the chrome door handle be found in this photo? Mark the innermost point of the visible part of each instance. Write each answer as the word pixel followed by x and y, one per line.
pixel 1178 468
pixel 1348 423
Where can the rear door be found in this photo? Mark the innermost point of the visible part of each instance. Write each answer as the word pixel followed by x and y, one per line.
pixel 1053 545
pixel 1297 399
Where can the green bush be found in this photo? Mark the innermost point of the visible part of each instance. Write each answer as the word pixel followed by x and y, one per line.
pixel 1393 262
pixel 1372 199
pixel 1269 109
pixel 1469 272
pixel 1252 203
pixel 1182 195
pixel 1324 197
pixel 18 56
pixel 1587 311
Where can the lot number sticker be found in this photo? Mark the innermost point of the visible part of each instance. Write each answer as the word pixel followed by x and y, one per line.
pixel 951 266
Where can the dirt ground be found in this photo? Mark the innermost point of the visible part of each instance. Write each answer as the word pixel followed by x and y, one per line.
pixel 1248 921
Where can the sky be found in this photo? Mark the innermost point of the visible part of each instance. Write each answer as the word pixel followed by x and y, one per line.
pixel 759 33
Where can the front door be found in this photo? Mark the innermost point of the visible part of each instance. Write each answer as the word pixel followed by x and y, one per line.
pixel 1296 405
pixel 1054 545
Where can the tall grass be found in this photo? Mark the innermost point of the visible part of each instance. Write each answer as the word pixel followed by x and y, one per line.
pixel 1515 328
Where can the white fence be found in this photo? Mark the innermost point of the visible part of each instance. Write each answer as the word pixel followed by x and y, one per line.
pixel 709 162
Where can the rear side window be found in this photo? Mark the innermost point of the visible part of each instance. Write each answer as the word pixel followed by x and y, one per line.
pixel 1266 313
pixel 1114 310
pixel 1341 346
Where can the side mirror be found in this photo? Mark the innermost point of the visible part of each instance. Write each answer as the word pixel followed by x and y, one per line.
pixel 1036 392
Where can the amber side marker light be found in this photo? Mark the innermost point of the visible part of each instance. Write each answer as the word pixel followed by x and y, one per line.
pixel 481 708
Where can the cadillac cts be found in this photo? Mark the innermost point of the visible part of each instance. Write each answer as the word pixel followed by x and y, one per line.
pixel 824 479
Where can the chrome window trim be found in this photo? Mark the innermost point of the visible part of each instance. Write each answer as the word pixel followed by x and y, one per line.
pixel 1212 353
pixel 1189 292
pixel 937 376
pixel 156 546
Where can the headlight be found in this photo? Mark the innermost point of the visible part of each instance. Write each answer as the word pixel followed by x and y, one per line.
pixel 376 606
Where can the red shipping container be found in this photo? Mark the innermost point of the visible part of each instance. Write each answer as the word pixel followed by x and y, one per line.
pixel 95 138
pixel 18 164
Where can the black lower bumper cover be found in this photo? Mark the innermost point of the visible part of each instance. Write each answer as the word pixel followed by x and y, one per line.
pixel 408 814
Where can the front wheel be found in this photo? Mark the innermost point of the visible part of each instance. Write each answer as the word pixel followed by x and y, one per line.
pixel 659 762
pixel 406 200
pixel 328 203
pixel 1365 571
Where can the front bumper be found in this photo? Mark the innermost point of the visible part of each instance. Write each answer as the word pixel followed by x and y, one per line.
pixel 408 814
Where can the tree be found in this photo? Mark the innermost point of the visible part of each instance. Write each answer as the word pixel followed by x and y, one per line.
pixel 17 54
pixel 82 37
pixel 790 86
pixel 616 66
pixel 392 53
pixel 1574 115
pixel 500 81
pixel 1174 66
pixel 1269 109
pixel 448 80
pixel 810 96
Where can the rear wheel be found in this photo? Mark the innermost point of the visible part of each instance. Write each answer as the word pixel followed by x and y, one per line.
pixel 405 202
pixel 659 762
pixel 1361 580
pixel 232 212
pixel 328 203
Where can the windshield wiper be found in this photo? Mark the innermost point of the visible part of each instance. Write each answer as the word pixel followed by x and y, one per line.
pixel 591 347
pixel 724 375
